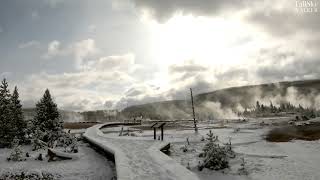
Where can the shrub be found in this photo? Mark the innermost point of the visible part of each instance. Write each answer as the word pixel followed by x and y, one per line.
pixel 184 148
pixel 16 153
pixel 215 157
pixel 68 141
pixel 243 170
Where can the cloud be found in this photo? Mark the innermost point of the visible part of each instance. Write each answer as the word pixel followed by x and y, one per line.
pixel 5 75
pixel 54 3
pixel 188 66
pixel 89 88
pixel 29 44
pixel 127 101
pixel 1 30
pixel 83 49
pixel 140 93
pixel 123 62
pixel 92 28
pixel 78 50
pixel 308 69
pixel 268 14
pixel 280 63
pixel 165 9
pixel 72 90
pixel 53 50
pixel 35 14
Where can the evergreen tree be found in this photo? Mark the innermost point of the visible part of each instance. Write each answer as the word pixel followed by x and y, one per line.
pixel 18 122
pixel 272 108
pixel 215 157
pixel 6 131
pixel 47 118
pixel 258 106
pixel 262 108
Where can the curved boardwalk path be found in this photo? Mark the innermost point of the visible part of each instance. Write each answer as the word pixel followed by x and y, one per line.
pixel 138 159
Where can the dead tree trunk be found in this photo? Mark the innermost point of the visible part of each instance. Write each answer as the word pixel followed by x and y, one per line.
pixel 193 113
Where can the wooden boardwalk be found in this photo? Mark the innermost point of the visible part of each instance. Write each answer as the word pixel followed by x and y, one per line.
pixel 138 159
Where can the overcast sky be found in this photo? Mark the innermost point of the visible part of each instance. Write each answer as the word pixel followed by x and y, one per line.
pixel 114 53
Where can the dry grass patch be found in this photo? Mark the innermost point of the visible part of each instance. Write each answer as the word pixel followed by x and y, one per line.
pixel 309 132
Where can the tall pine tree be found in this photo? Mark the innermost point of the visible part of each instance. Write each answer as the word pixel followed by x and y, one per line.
pixel 47 118
pixel 19 124
pixel 6 128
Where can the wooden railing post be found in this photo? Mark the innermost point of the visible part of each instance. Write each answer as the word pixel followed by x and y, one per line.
pixel 161 133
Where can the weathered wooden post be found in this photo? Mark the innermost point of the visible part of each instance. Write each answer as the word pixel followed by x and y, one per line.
pixel 161 133
pixel 193 113
pixel 161 127
pixel 154 131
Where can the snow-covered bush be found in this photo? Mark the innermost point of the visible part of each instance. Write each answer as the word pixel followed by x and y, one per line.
pixel 236 130
pixel 56 139
pixel 202 138
pixel 184 148
pixel 16 153
pixel 215 156
pixel 229 150
pixel 243 169
pixel 68 141
pixel 38 144
pixel 36 140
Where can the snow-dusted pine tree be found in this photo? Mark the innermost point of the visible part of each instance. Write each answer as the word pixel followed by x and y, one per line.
pixel 19 124
pixel 215 157
pixel 47 119
pixel 6 129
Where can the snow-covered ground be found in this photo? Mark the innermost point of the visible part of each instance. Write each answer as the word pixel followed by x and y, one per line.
pixel 88 165
pixel 294 160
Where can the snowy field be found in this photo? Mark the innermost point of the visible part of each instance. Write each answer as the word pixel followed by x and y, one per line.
pixel 294 160
pixel 88 165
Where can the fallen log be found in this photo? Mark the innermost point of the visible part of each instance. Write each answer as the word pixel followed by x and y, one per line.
pixel 55 155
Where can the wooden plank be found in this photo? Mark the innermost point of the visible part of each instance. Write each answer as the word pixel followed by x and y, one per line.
pixel 159 125
pixel 154 125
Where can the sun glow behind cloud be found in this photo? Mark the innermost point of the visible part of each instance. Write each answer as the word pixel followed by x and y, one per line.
pixel 205 40
pixel 217 43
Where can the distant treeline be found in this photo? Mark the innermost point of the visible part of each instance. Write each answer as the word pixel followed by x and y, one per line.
pixel 284 108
